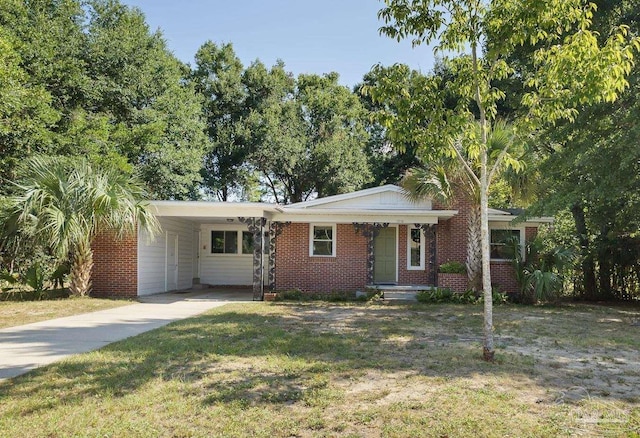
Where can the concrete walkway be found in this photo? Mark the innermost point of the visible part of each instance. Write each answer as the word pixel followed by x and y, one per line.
pixel 26 347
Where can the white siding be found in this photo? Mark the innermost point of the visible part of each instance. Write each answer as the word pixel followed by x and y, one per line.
pixel 224 269
pixel 152 257
pixel 385 200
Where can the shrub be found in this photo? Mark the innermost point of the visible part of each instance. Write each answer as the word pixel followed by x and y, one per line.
pixel 439 295
pixel 453 268
pixel 291 295
pixel 30 295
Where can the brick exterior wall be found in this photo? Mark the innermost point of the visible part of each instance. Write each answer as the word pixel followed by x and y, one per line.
pixel 454 282
pixel 503 277
pixel 115 266
pixel 451 235
pixel 406 276
pixel 451 242
pixel 452 246
pixel 295 269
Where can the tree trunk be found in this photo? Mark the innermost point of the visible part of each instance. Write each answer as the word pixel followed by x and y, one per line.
pixel 488 349
pixel 590 291
pixel 604 265
pixel 81 270
pixel 474 249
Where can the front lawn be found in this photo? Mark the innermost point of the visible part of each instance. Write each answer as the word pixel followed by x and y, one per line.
pixel 14 313
pixel 302 370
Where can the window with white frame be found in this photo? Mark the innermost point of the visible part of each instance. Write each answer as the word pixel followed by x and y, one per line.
pixel 322 241
pixel 415 249
pixel 231 242
pixel 504 243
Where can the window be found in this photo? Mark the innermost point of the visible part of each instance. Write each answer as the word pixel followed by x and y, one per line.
pixel 415 249
pixel 323 241
pixel 503 243
pixel 224 242
pixel 232 242
pixel 247 242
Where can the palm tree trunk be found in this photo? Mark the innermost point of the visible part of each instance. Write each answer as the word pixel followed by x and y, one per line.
pixel 81 269
pixel 474 249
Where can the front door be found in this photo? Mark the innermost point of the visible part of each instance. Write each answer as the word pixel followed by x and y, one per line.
pixel 384 251
pixel 172 262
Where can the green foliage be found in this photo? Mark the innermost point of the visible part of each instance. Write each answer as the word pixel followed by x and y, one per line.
pixel 540 272
pixel 63 204
pixel 32 295
pixel 35 278
pixel 310 139
pixel 92 80
pixel 443 295
pixel 291 295
pixel 332 297
pixel 453 267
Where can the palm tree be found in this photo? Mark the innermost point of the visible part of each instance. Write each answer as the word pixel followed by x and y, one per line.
pixel 65 203
pixel 442 182
pixel 448 178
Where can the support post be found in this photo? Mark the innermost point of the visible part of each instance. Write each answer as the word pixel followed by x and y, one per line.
pixel 255 225
pixel 429 231
pixel 370 231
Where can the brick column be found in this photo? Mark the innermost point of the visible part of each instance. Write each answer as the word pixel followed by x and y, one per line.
pixel 115 266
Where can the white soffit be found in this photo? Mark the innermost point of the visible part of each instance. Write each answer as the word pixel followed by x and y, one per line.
pixel 203 209
pixel 360 215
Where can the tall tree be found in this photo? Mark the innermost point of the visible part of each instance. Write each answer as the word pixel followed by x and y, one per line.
pixel 119 95
pixel 310 140
pixel 571 69
pixel 603 200
pixel 447 181
pixel 388 163
pixel 26 114
pixel 64 204
pixel 218 77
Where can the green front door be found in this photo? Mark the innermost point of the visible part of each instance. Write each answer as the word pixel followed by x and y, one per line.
pixel 384 251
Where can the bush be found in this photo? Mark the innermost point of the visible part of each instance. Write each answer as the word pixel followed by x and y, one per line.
pixel 291 295
pixel 439 295
pixel 32 295
pixel 453 268
pixel 332 297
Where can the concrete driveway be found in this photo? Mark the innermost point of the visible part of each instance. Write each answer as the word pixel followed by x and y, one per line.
pixel 26 347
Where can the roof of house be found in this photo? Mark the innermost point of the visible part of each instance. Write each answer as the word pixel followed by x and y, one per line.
pixel 387 203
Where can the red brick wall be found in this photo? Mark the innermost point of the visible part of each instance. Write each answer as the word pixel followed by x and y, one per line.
pixel 451 241
pixel 454 282
pixel 115 266
pixel 406 276
pixel 530 233
pixel 503 277
pixel 451 235
pixel 295 269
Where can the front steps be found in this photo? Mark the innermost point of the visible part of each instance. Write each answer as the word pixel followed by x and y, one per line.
pixel 399 293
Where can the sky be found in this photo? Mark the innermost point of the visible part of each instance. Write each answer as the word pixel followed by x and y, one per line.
pixel 310 36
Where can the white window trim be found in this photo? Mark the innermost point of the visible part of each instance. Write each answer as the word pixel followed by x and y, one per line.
pixel 334 239
pixel 422 249
pixel 522 239
pixel 206 251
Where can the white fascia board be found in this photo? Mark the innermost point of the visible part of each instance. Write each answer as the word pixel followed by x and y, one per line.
pixel 530 221
pixel 211 209
pixel 349 216
pixel 347 196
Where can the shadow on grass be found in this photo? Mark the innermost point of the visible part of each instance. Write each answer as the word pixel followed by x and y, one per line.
pixel 280 354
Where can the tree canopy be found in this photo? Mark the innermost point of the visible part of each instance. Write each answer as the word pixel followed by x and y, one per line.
pixel 571 68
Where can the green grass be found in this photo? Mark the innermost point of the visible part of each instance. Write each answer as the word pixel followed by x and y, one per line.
pixel 313 369
pixel 14 313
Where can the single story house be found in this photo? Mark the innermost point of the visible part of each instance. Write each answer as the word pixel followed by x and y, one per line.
pixel 345 242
